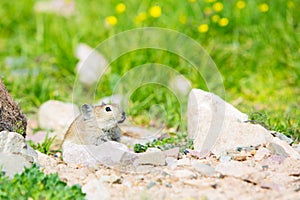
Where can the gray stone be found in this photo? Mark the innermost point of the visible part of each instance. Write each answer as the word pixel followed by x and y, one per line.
pixel 287 148
pixel 91 64
pixel 296 147
pixel 12 164
pixel 217 126
pixel 277 149
pixel 204 169
pixel 282 137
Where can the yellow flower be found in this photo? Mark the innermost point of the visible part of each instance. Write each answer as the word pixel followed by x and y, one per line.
pixel 218 6
pixel 223 22
pixel 210 1
pixel 155 11
pixel 264 7
pixel 290 4
pixel 142 16
pixel 183 19
pixel 120 8
pixel 203 28
pixel 240 5
pixel 111 20
pixel 215 18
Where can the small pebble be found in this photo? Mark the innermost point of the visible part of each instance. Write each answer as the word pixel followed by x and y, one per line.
pixel 240 158
pixel 265 167
pixel 253 152
pixel 168 185
pixel 186 152
pixel 225 158
pixel 151 184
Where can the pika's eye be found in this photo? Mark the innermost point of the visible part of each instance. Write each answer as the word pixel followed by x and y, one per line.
pixel 107 109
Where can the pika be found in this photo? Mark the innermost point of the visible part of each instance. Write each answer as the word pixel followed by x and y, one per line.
pixel 96 125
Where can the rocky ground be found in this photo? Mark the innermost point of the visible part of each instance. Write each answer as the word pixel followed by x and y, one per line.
pixel 258 174
pixel 244 161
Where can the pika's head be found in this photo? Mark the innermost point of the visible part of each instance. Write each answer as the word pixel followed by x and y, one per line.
pixel 106 115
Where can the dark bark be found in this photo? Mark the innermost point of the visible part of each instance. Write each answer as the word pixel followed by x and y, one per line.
pixel 11 117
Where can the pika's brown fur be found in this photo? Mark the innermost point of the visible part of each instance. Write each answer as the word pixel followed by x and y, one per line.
pixel 96 125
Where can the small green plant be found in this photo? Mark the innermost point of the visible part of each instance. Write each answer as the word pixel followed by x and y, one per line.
pixel 176 140
pixel 34 184
pixel 18 128
pixel 288 127
pixel 43 147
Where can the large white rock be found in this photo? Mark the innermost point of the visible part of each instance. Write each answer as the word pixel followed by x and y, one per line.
pixel 57 116
pixel 59 7
pixel 235 169
pixel 181 84
pixel 217 126
pixel 110 153
pixel 15 153
pixel 91 64
pixel 12 164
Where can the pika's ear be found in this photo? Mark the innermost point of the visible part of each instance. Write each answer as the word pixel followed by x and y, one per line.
pixel 103 104
pixel 87 111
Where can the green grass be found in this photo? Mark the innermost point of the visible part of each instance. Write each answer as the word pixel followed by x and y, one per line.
pixel 257 54
pixel 34 184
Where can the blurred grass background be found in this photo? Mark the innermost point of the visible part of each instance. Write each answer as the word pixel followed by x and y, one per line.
pixel 254 43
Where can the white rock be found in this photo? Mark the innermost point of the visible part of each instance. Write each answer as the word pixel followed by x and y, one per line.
pixel 95 190
pixel 60 7
pixel 235 169
pixel 181 84
pixel 15 153
pixel 12 164
pixel 156 158
pixel 261 154
pixel 57 116
pixel 171 162
pixel 184 174
pixel 174 152
pixel 112 154
pixel 91 64
pixel 217 126
pixel 45 160
pixel 204 169
pixel 14 143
